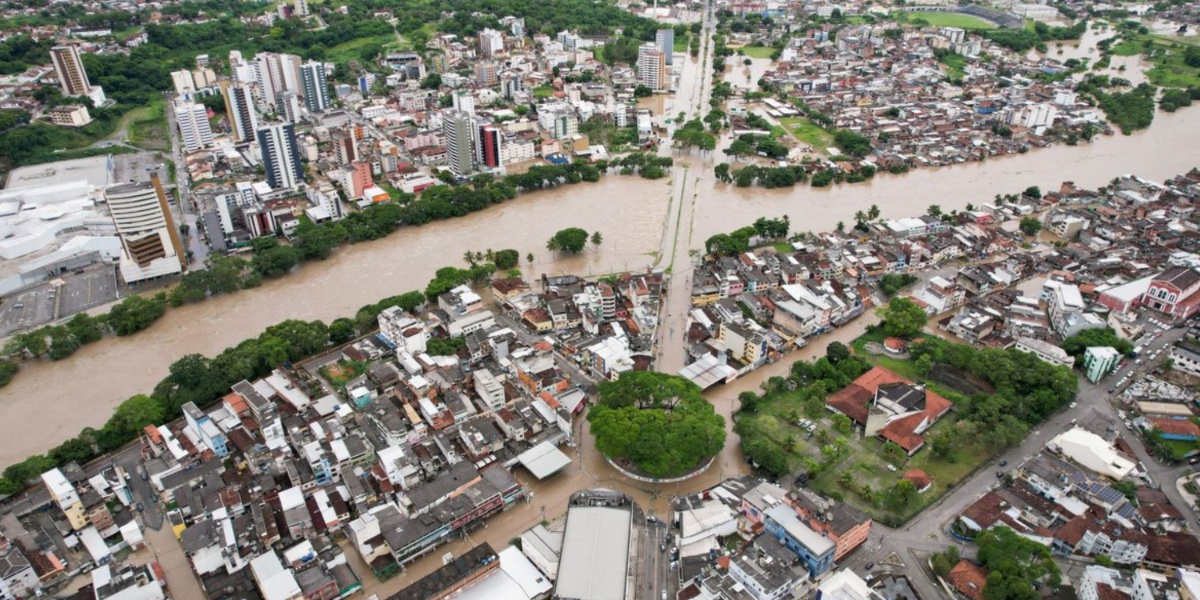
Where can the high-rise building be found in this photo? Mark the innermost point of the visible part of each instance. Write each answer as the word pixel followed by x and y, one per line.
pixel 316 88
pixel 487 145
pixel 287 106
pixel 456 128
pixel 192 119
pixel 356 178
pixel 346 146
pixel 300 8
pixel 150 244
pixel 487 73
pixel 464 102
pixel 68 67
pixel 652 67
pixel 243 120
pixel 280 156
pixel 275 73
pixel 665 40
pixel 491 43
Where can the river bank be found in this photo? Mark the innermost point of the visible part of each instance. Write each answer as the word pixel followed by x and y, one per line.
pixel 630 213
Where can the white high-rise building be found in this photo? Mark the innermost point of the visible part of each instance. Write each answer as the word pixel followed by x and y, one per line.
pixel 464 102
pixel 458 131
pixel 491 43
pixel 665 40
pixel 300 8
pixel 652 67
pixel 68 67
pixel 150 244
pixel 194 128
pixel 276 73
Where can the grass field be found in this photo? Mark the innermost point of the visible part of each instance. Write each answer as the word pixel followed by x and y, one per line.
pixel 758 51
pixel 681 44
pixel 148 126
pixel 1167 54
pixel 808 132
pixel 949 19
pixel 543 91
pixel 955 65
pixel 352 50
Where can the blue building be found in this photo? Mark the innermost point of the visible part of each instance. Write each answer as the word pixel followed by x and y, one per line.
pixel 205 429
pixel 815 550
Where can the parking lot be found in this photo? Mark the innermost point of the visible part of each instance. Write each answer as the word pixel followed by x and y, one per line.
pixel 59 297
pixel 129 168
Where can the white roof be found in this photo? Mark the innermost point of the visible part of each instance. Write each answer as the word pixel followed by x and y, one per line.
pixel 517 579
pixel 595 553
pixel 274 581
pixel 846 585
pixel 291 498
pixel 544 460
pixel 1092 452
pixel 786 517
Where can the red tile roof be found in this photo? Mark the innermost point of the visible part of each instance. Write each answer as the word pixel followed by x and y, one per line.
pixel 902 432
pixel 854 399
pixel 969 579
pixel 919 478
pixel 1174 427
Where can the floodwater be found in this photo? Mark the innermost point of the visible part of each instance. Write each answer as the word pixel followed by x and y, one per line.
pixel 49 402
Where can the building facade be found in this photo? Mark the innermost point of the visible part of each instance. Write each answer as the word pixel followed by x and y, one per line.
pixel 280 156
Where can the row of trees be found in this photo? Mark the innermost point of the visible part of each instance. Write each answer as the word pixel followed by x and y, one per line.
pixel 739 240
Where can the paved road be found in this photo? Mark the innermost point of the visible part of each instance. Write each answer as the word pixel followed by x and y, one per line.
pixel 187 212
pixel 926 533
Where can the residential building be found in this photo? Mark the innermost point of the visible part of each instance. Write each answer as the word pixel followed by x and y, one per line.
pixel 488 145
pixel 1185 356
pixel 355 178
pixel 891 407
pixel 1088 587
pixel 316 87
pixel 1099 361
pixel 652 67
pixel 280 156
pixel 1045 351
pixel 192 119
pixel 185 86
pixel 239 108
pixel 150 242
pixel 68 68
pixel 64 495
pixel 491 43
pixel 300 8
pixel 71 115
pixel 1066 309
pixel 456 128
pixel 815 550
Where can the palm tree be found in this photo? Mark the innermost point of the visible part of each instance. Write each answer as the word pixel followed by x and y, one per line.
pixel 529 258
pixel 846 479
pixel 873 212
pixel 469 258
pixel 597 239
pixel 490 255
pixel 841 227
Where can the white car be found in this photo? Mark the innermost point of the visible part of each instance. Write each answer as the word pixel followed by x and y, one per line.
pixel 1074 404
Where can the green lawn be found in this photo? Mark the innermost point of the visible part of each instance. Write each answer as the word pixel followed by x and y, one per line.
pixel 758 51
pixel 808 132
pixel 680 45
pixel 352 50
pixel 949 19
pixel 543 91
pixel 955 65
pixel 1180 449
pixel 148 126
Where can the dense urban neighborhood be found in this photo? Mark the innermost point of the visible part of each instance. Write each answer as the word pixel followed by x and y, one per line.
pixel 711 300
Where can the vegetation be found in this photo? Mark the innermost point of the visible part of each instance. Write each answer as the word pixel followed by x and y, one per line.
pixel 945 19
pixel 1130 110
pixel 571 240
pixel 1077 345
pixel 1030 225
pixel 659 423
pixel 891 283
pixel 902 318
pixel 1022 40
pixel 693 134
pixel 1015 565
pixel 739 241
pixel 758 51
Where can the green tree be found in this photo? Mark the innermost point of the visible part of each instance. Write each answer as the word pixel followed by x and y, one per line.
pixel 597 239
pixel 506 259
pixel 1015 563
pixel 571 240
pixel 748 401
pixel 902 318
pixel 1030 225
pixel 135 413
pixel 945 560
pixel 341 330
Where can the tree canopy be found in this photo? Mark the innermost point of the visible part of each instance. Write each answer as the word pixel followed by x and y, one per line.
pixel 1014 563
pixel 659 422
pixel 902 318
pixel 571 239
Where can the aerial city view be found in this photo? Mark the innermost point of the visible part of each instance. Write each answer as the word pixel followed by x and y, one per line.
pixel 600 300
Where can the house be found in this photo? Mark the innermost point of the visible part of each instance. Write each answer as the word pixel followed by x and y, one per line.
pixel 890 407
pixel 1185 356
pixel 919 478
pixel 968 579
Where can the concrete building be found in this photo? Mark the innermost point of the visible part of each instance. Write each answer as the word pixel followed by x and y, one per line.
pixel 1045 351
pixel 456 128
pixel 1094 576
pixel 280 156
pixel 488 145
pixel 815 550
pixel 665 40
pixel 652 67
pixel 1185 356
pixel 846 585
pixel 1066 309
pixel 300 8
pixel 1099 361
pixel 68 67
pixel 1176 292
pixel 71 115
pixel 185 86
pixel 239 108
pixel 192 119
pixel 150 244
pixel 316 87
pixel 491 43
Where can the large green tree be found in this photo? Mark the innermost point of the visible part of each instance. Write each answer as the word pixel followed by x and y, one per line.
pixel 658 422
pixel 571 239
pixel 902 318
